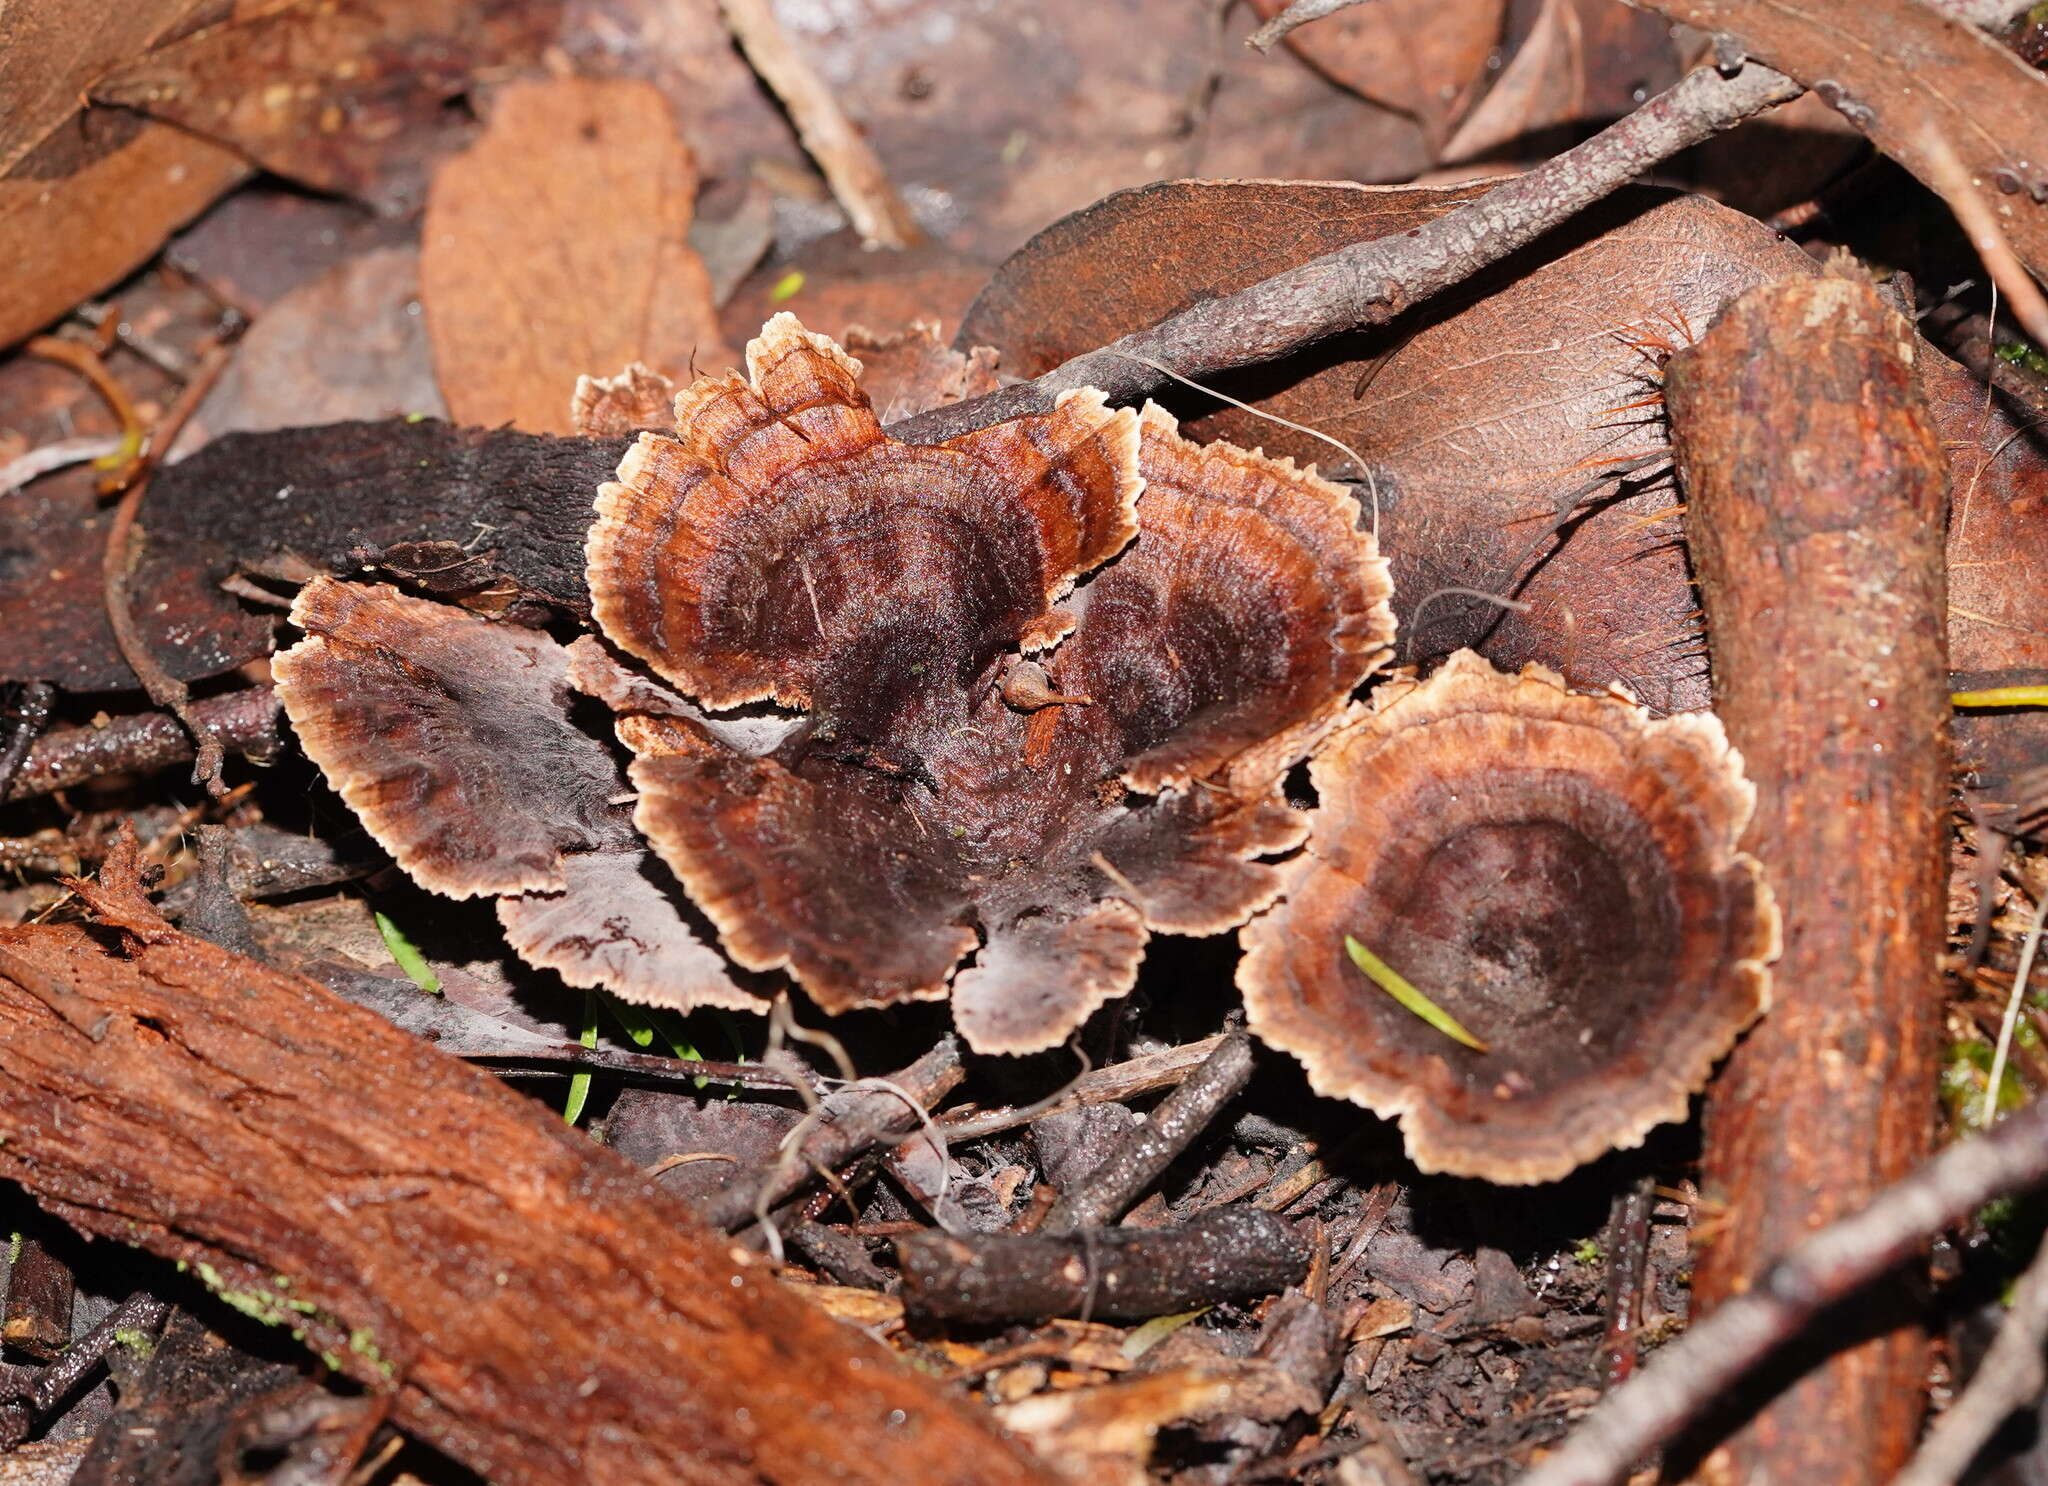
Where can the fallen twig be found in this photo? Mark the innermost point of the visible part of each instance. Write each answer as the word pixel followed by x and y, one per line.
pixel 1370 283
pixel 851 166
pixel 1293 18
pixel 848 1123
pixel 2009 1378
pixel 1113 1273
pixel 1111 1085
pixel 1103 1195
pixel 164 689
pixel 244 722
pixel 1817 536
pixel 1695 1372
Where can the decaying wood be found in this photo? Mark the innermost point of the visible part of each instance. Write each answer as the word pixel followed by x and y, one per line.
pixel 531 1303
pixel 1101 1273
pixel 1816 487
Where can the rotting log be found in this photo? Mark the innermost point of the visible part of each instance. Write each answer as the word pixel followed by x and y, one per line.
pixel 531 1303
pixel 1816 489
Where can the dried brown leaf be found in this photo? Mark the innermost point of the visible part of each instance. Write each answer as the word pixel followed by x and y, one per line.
pixel 558 245
pixel 343 95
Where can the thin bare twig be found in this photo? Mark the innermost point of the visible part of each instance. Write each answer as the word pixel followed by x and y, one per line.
pixel 1295 16
pixel 1951 178
pixel 1369 283
pixel 1693 1373
pixel 851 166
pixel 2009 1378
pixel 1107 1191
pixel 164 689
pixel 1989 1111
pixel 1111 1085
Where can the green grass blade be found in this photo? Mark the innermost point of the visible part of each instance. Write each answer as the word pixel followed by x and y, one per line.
pixel 579 1082
pixel 1383 975
pixel 632 1020
pixel 409 959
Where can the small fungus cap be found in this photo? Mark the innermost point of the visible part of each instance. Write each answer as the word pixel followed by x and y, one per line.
pixel 1558 873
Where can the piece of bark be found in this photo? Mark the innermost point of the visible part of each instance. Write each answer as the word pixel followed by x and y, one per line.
pixel 1816 527
pixel 558 245
pixel 530 1303
pixel 1910 77
pixel 179 1409
pixel 1107 1273
pixel 40 1292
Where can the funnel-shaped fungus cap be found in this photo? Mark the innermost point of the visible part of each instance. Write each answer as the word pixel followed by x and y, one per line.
pixel 450 737
pixel 945 796
pixel 1558 874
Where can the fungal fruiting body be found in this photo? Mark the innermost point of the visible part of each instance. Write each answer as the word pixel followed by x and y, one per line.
pixel 1557 873
pixel 919 795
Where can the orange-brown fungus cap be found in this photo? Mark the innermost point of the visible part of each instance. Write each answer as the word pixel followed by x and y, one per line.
pixel 781 547
pixel 1559 874
pixel 450 737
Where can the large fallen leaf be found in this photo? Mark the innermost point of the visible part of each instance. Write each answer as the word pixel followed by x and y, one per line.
pixel 1423 57
pixel 1477 415
pixel 559 244
pixel 1914 81
pixel 86 194
pixel 344 95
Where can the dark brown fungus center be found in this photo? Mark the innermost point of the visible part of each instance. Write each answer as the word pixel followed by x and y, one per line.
pixel 1558 873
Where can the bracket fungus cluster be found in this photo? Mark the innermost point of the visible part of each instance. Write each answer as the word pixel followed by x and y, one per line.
pixel 1559 873
pixel 876 730
pixel 975 719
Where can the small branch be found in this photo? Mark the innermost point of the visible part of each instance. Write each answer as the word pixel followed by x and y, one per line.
pixel 1111 1273
pixel 849 1123
pixel 2009 1378
pixel 118 564
pixel 1817 538
pixel 1694 1373
pixel 1950 179
pixel 242 721
pixel 1124 1175
pixel 850 164
pixel 1111 1085
pixel 1293 18
pixel 23 723
pixel 1369 283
